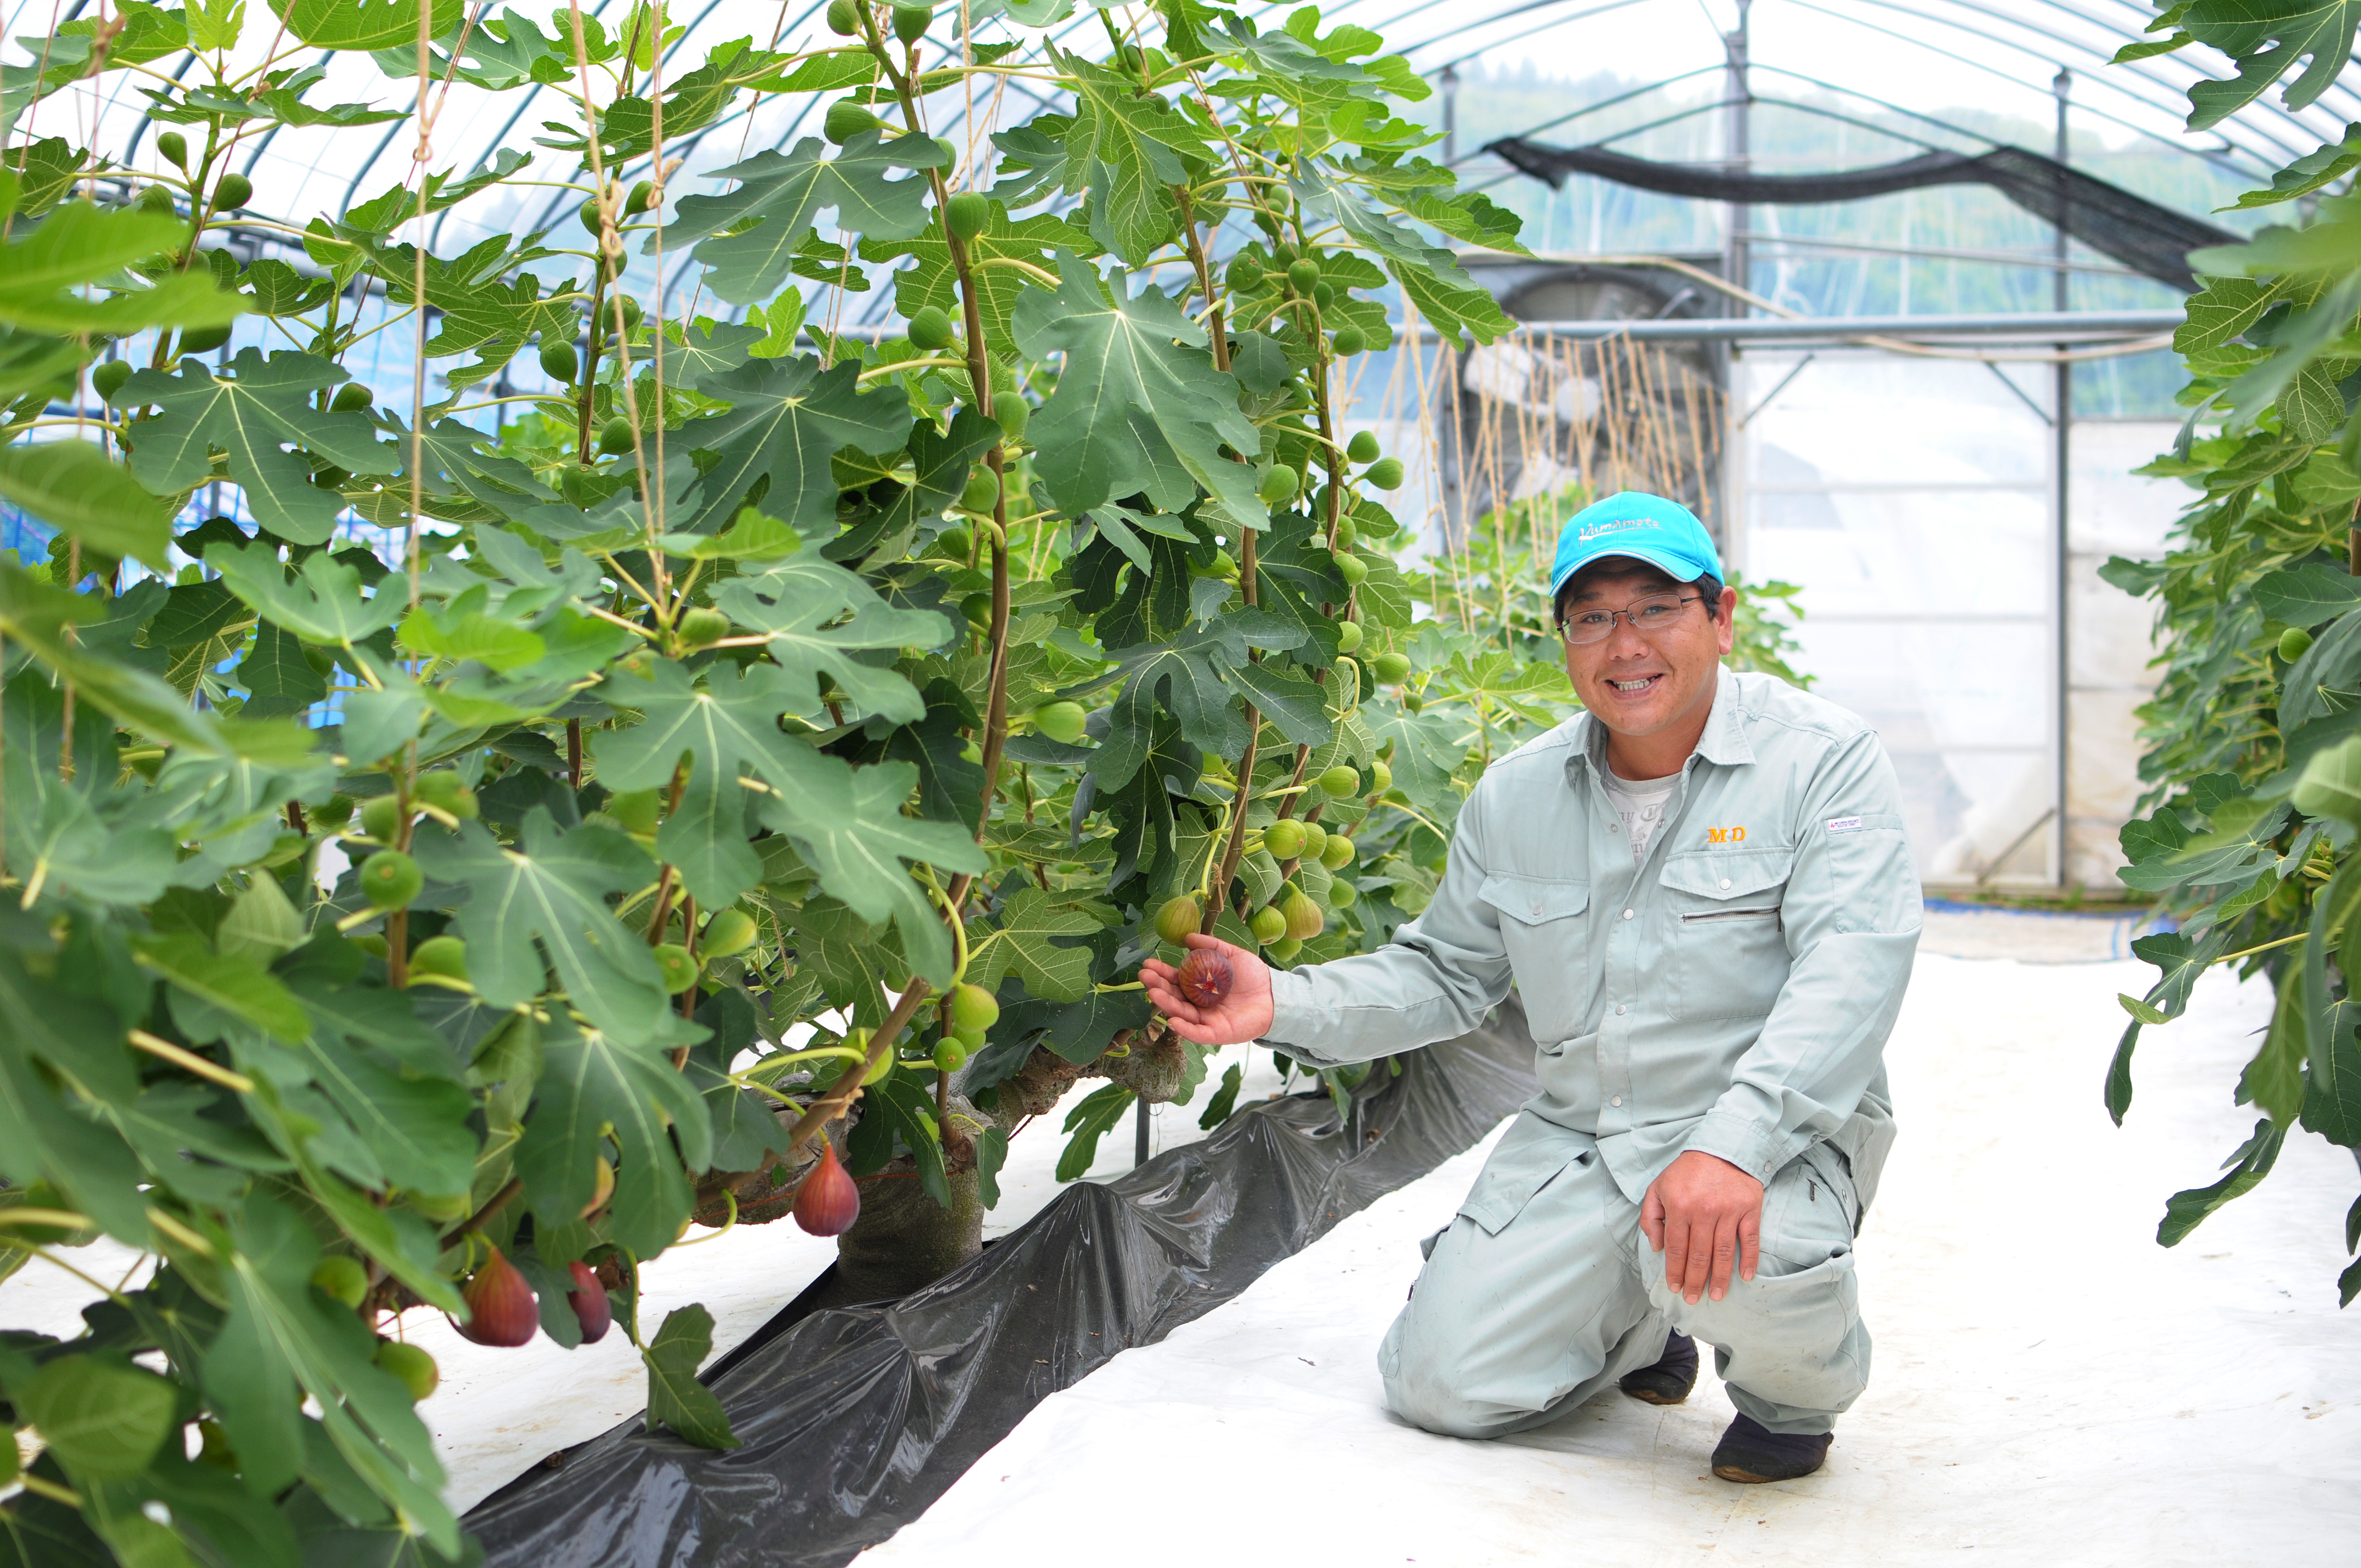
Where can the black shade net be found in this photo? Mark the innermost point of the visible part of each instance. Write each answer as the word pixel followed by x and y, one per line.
pixel 2148 239
pixel 853 1420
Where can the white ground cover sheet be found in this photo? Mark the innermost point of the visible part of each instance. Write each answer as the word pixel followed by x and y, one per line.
pixel 2049 1386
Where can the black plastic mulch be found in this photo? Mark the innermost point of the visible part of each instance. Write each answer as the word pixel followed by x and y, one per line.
pixel 853 1420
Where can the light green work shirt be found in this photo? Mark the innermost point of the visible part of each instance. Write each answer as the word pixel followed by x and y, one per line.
pixel 1730 993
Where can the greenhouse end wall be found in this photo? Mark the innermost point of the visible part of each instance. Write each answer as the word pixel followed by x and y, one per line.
pixel 1915 501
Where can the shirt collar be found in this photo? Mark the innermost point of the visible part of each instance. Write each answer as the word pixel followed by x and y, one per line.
pixel 1723 742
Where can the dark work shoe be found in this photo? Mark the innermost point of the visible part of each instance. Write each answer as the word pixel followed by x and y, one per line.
pixel 1668 1382
pixel 1749 1453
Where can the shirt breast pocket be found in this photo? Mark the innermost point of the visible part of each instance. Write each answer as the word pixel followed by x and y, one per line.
pixel 1728 940
pixel 1544 928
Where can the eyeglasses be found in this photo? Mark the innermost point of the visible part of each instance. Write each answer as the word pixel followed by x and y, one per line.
pixel 1650 616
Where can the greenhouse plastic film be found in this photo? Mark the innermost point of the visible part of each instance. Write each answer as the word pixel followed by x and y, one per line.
pixel 852 1422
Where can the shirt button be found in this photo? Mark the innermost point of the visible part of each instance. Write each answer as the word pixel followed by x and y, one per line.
pixel 1627 915
pixel 1725 881
pixel 1617 1101
pixel 1618 1010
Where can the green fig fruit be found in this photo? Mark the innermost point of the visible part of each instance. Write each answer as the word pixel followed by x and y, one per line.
pixel 1352 568
pixel 390 879
pixel 156 199
pixel 1386 474
pixel 1279 485
pixel 973 1010
pixel 2294 643
pixel 1284 839
pixel 1180 917
pixel 352 398
pixel 416 1370
pixel 982 494
pixel 615 437
pixel 341 1277
pixel 843 19
pixel 1304 920
pixel 1389 668
pixel 203 339
pixel 1246 274
pixel 174 147
pixel 444 957
pixel 637 810
pixel 703 626
pixel 1323 295
pixel 910 22
pixel 108 377
pixel 1337 852
pixel 678 966
pixel 1011 412
pixel 1381 778
pixel 1064 723
pixel 1268 925
pixel 1304 275
pixel 231 191
pixel 381 818
pixel 846 119
pixel 1285 949
pixel 560 361
pixel 1362 448
pixel 1341 782
pixel 730 932
pixel 1348 636
pixel 967 213
pixel 951 1056
pixel 931 329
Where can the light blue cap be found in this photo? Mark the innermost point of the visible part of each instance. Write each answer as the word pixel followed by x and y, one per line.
pixel 1665 534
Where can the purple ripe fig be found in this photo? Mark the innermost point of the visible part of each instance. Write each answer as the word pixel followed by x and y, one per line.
pixel 501 1306
pixel 827 1202
pixel 1206 977
pixel 588 1299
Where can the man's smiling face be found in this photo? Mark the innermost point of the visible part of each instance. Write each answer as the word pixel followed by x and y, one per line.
pixel 1640 687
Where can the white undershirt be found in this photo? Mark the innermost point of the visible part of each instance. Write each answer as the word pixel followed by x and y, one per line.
pixel 1641 805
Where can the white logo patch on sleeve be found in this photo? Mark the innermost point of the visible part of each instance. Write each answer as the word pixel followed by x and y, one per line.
pixel 1844 825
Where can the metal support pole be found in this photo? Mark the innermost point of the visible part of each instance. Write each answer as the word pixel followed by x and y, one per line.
pixel 1737 270
pixel 1450 114
pixel 1139 1140
pixel 1739 157
pixel 2063 427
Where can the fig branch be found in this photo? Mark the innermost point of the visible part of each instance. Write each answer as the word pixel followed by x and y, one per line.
pixel 967 211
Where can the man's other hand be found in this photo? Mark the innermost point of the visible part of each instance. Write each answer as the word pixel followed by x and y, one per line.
pixel 1244 1015
pixel 1705 1216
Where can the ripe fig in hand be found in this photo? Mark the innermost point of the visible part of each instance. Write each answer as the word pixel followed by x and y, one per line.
pixel 588 1299
pixel 1206 977
pixel 827 1202
pixel 499 1304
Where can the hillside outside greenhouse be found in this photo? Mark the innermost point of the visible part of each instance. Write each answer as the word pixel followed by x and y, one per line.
pixel 896 780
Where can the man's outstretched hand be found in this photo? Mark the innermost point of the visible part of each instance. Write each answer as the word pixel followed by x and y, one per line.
pixel 1244 1015
pixel 1705 1216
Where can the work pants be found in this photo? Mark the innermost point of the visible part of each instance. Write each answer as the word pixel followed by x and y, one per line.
pixel 1543 1291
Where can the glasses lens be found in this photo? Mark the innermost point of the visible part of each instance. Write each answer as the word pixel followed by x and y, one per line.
pixel 1590 626
pixel 1658 612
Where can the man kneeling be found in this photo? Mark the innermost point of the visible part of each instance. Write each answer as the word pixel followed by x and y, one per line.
pixel 1701 889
